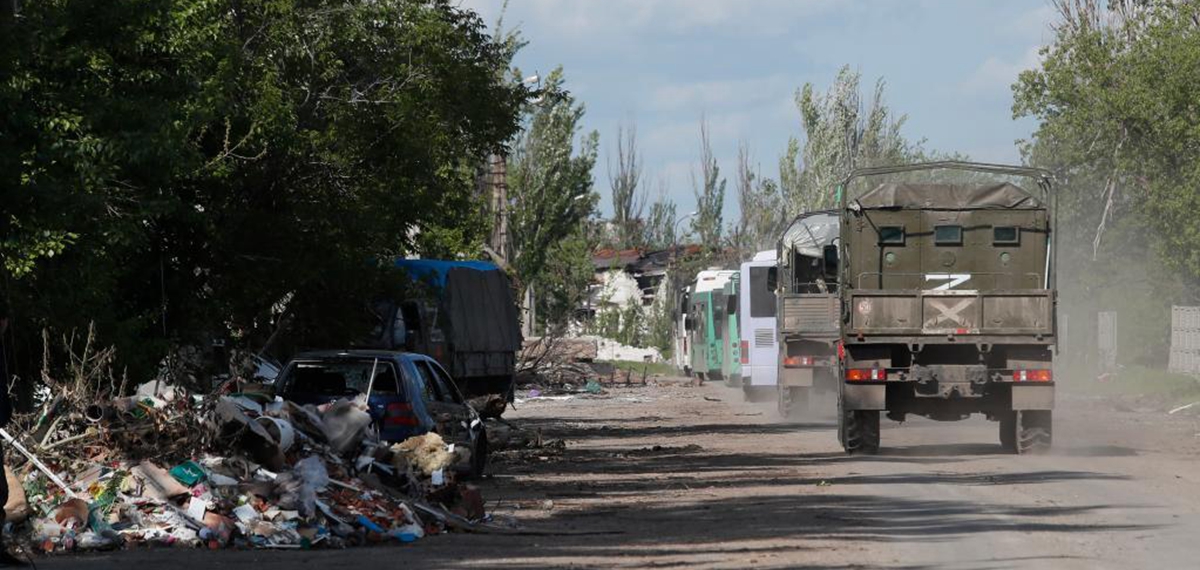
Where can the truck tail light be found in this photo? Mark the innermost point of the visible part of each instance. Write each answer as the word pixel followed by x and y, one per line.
pixel 798 361
pixel 1033 376
pixel 865 374
pixel 745 357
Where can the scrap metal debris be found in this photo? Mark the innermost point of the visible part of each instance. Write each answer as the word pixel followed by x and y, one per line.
pixel 167 466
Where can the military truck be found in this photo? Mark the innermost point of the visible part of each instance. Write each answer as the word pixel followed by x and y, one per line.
pixel 809 313
pixel 946 276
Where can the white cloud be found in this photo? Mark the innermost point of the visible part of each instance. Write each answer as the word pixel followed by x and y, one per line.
pixel 996 73
pixel 721 93
pixel 591 19
pixel 683 137
pixel 1033 25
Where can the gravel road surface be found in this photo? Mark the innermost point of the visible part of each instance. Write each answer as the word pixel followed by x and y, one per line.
pixel 673 475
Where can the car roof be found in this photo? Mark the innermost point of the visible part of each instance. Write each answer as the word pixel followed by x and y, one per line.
pixel 357 353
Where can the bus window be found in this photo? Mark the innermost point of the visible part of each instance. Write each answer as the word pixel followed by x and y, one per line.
pixel 762 298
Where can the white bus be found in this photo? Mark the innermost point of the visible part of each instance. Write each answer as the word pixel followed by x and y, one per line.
pixel 760 347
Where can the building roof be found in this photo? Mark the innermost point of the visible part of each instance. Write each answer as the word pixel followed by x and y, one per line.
pixel 638 260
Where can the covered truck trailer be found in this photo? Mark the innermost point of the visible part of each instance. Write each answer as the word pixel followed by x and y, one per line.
pixel 461 313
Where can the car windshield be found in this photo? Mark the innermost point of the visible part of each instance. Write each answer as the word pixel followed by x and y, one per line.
pixel 344 377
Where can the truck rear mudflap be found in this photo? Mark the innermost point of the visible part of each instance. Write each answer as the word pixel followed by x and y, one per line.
pixel 804 371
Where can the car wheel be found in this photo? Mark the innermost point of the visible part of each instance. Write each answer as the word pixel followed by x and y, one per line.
pixel 479 455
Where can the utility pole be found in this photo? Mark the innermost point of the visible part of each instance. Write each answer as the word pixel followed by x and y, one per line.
pixel 496 179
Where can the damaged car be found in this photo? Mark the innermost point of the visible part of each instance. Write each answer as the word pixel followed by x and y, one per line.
pixel 407 395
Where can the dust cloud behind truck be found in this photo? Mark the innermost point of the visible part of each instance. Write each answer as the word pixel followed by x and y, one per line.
pixel 946 274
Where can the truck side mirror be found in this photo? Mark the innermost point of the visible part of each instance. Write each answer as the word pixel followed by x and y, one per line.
pixel 831 259
pixel 687 323
pixel 772 279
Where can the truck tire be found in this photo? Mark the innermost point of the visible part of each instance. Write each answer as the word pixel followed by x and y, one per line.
pixel 1008 431
pixel 861 432
pixel 1035 435
pixel 792 402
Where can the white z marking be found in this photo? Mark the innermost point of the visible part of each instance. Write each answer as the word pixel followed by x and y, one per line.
pixel 952 280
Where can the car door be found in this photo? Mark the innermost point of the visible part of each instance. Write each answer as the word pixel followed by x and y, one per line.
pixel 391 404
pixel 450 414
pixel 469 419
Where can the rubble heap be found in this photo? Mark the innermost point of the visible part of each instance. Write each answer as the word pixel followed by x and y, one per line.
pixel 169 467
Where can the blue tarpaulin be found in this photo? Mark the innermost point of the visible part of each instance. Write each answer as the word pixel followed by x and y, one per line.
pixel 434 271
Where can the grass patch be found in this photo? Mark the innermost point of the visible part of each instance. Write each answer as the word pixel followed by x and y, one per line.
pixel 635 367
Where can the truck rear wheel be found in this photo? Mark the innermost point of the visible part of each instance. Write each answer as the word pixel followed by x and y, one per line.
pixel 792 401
pixel 1036 432
pixel 860 429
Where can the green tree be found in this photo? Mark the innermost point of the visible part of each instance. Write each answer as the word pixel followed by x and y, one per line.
pixel 839 136
pixel 1115 100
pixel 171 169
pixel 659 227
pixel 550 183
pixel 709 191
pixel 762 216
pixel 564 285
pixel 628 200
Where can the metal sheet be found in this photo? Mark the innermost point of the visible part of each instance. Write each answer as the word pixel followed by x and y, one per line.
pixel 1031 397
pixel 864 397
pixel 798 377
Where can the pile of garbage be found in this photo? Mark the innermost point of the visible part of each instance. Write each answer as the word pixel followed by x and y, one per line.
pixel 227 469
pixel 555 366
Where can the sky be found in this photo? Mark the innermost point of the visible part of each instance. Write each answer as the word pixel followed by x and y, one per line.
pixel 663 64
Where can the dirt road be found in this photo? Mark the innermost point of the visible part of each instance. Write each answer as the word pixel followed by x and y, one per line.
pixel 674 475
